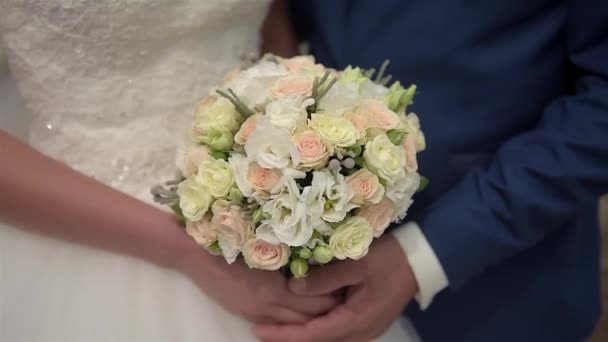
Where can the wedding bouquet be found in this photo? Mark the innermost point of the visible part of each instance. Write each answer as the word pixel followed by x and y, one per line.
pixel 292 163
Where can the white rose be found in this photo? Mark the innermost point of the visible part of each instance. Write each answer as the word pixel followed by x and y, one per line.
pixel 193 156
pixel 401 194
pixel 372 90
pixel 240 168
pixel 340 98
pixel 287 112
pixel 216 177
pixel 335 194
pixel 271 147
pixel 385 159
pixel 253 84
pixel 194 200
pixel 265 256
pixel 352 239
pixel 337 131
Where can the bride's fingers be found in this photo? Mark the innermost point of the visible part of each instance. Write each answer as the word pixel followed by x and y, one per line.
pixel 286 316
pixel 313 305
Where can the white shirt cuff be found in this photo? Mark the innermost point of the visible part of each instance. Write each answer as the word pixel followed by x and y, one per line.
pixel 427 270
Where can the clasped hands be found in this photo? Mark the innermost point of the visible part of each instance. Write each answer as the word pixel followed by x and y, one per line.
pixel 341 301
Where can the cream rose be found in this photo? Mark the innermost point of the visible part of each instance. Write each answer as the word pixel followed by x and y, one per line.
pixel 338 131
pixel 194 200
pixel 262 180
pixel 203 231
pixel 379 216
pixel 314 152
pixel 193 156
pixel 368 189
pixel 385 159
pixel 216 177
pixel 411 124
pixel 265 256
pixel 351 239
pixel 247 129
pixel 294 85
pixel 215 114
pixel 378 115
pixel 233 229
pixel 409 145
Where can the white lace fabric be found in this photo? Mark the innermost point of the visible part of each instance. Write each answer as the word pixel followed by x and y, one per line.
pixel 112 84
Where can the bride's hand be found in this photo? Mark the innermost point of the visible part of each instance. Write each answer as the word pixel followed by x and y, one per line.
pixel 258 296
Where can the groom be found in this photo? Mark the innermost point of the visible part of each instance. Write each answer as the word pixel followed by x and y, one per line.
pixel 503 244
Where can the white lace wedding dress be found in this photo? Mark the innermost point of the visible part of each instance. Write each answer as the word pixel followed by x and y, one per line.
pixel 111 85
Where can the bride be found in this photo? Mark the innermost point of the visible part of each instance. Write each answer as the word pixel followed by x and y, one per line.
pixel 110 86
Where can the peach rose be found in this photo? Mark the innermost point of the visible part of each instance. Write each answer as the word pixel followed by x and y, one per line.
pixel 232 75
pixel 263 180
pixel 233 229
pixel 378 215
pixel 409 144
pixel 203 232
pixel 359 120
pixel 292 86
pixel 265 256
pixel 313 151
pixel 247 129
pixel 368 189
pixel 378 115
pixel 193 156
pixel 302 63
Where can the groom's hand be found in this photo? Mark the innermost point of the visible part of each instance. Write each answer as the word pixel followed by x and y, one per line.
pixel 377 288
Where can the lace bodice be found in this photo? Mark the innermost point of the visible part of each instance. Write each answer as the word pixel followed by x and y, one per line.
pixel 112 84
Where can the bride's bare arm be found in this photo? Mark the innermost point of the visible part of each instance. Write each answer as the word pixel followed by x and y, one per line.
pixel 46 196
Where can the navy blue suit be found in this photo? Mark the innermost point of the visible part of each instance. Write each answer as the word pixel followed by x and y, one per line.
pixel 513 99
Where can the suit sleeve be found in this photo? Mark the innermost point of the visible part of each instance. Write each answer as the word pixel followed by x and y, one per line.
pixel 538 181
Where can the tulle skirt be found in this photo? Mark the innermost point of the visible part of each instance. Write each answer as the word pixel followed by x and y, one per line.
pixel 55 290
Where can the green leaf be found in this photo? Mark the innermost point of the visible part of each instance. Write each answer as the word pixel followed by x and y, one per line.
pixel 356 149
pixel 396 136
pixel 424 182
pixel 219 155
pixel 360 161
pixel 215 247
pixel 178 213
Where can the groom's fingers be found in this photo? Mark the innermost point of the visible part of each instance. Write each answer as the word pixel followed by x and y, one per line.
pixel 327 279
pixel 311 305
